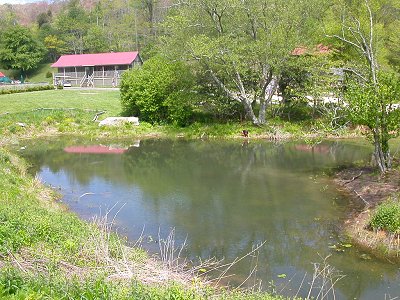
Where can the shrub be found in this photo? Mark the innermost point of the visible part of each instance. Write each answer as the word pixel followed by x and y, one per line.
pixel 387 217
pixel 296 110
pixel 158 92
pixel 179 108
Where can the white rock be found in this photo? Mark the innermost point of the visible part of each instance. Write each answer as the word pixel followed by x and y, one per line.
pixel 115 121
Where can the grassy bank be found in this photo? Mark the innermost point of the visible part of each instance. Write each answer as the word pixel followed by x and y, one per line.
pixel 107 100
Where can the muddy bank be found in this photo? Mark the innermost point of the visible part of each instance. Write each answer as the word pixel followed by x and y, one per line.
pixel 368 188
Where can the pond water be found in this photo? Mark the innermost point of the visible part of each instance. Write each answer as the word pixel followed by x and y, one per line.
pixel 223 198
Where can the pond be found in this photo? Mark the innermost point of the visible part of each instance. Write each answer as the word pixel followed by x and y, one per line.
pixel 223 198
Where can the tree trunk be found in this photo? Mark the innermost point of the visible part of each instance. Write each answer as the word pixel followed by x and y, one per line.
pixel 381 152
pixel 249 111
pixel 267 96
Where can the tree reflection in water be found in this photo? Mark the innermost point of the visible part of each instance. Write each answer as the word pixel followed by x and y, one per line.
pixel 225 197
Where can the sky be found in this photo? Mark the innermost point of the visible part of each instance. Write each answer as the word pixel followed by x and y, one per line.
pixel 18 1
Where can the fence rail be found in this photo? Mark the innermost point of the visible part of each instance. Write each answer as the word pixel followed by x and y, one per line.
pixel 97 74
pixel 68 75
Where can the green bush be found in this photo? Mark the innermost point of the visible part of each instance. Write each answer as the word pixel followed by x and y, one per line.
pixel 296 110
pixel 387 217
pixel 158 92
pixel 179 108
pixel 10 90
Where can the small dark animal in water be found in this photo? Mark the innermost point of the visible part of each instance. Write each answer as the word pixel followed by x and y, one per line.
pixel 245 133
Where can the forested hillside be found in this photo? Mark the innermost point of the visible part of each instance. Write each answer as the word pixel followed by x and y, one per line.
pixel 88 25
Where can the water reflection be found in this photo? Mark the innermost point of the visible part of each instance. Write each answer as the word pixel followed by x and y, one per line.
pixel 225 197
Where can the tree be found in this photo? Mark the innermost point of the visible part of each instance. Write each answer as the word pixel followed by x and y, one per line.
pixel 159 91
pixel 361 31
pixel 7 16
pixel 117 20
pixel 72 24
pixel 54 46
pixel 95 41
pixel 243 45
pixel 376 106
pixel 44 18
pixel 20 50
pixel 393 44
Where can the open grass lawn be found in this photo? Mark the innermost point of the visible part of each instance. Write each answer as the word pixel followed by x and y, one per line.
pixel 95 99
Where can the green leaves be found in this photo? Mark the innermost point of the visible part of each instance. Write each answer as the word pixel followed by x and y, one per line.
pixel 19 49
pixel 158 92
pixel 243 45
pixel 374 106
pixel 387 217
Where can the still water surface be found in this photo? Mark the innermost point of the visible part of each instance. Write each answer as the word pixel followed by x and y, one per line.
pixel 224 198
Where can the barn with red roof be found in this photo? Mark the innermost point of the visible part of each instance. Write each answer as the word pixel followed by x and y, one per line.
pixel 94 70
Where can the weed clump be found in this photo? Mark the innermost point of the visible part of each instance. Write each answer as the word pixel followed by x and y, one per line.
pixel 387 217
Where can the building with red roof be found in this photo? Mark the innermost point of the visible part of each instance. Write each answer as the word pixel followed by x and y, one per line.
pixel 94 70
pixel 318 49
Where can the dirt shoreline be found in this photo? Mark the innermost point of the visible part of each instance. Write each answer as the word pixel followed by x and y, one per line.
pixel 368 188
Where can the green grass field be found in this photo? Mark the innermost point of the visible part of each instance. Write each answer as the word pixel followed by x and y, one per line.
pixel 107 100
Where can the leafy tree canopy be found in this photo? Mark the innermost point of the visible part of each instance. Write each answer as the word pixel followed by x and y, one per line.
pixel 376 107
pixel 72 24
pixel 20 50
pixel 243 45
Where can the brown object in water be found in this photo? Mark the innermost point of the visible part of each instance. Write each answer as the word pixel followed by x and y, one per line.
pixel 245 133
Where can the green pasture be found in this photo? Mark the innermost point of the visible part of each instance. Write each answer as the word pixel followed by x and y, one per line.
pixel 93 99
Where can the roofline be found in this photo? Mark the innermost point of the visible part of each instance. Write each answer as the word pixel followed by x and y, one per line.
pixel 91 65
pixel 106 64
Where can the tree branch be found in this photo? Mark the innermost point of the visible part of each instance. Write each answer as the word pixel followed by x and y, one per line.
pixel 343 39
pixel 355 73
pixel 223 86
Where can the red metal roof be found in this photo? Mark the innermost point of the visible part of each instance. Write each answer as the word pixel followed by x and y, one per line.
pixel 95 149
pixel 318 49
pixel 2 75
pixel 97 59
